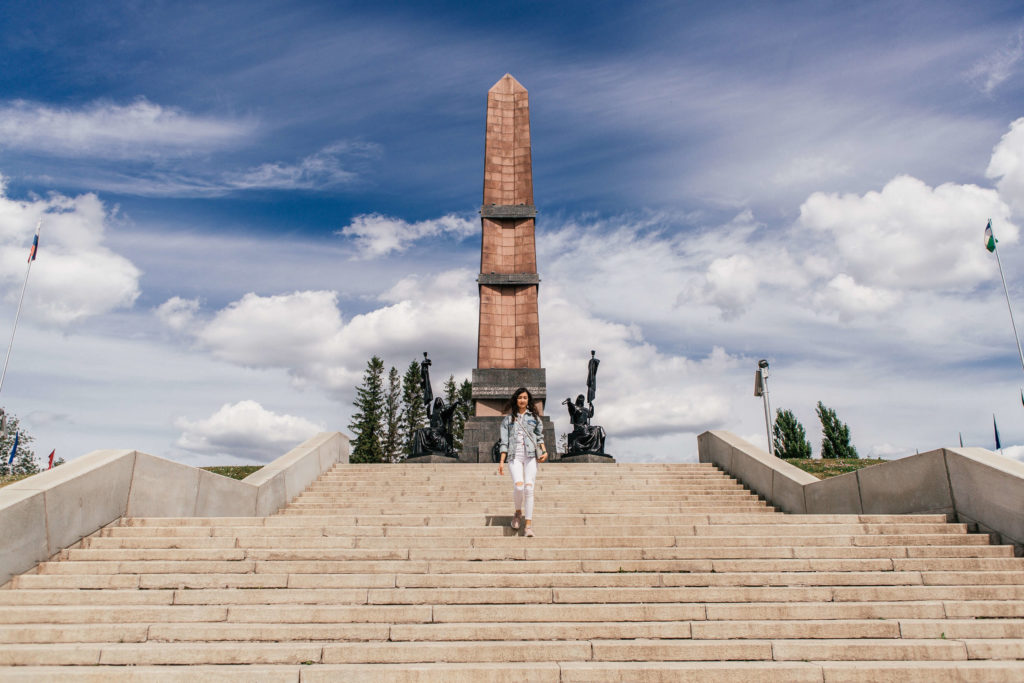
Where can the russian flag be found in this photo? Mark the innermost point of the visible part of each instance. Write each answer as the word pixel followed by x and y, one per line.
pixel 35 248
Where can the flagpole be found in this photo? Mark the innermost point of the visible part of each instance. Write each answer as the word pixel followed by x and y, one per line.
pixel 1008 307
pixel 20 302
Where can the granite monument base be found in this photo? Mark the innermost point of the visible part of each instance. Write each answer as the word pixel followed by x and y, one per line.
pixel 482 432
pixel 586 457
pixel 431 457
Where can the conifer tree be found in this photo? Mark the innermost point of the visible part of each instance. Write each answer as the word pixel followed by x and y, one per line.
pixel 24 458
pixel 413 413
pixel 393 445
pixel 452 393
pixel 835 435
pixel 465 410
pixel 790 439
pixel 367 421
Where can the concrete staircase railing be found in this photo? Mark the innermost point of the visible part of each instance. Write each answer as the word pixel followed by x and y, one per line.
pixel 970 485
pixel 50 511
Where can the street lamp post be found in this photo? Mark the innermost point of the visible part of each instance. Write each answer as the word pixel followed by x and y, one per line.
pixel 761 389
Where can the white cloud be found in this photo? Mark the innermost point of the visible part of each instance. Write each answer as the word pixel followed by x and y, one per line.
pixel 642 391
pixel 322 169
pixel 376 235
pixel 75 275
pixel 245 430
pixel 139 130
pixel 1007 168
pixel 306 334
pixel 997 67
pixel 849 299
pixel 809 168
pixel 177 313
pixel 908 235
pixel 285 330
pixel 1013 453
pixel 731 284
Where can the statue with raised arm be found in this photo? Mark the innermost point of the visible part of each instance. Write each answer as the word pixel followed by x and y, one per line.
pixel 592 376
pixel 585 437
pixel 428 393
pixel 437 438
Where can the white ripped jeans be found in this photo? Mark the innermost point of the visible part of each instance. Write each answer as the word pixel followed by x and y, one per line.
pixel 524 475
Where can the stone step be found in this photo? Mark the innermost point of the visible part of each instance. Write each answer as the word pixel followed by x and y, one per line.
pixel 917 609
pixel 1001 567
pixel 118 594
pixel 962 628
pixel 548 672
pixel 504 509
pixel 491 479
pixel 346 548
pixel 503 488
pixel 515 612
pixel 648 650
pixel 108 614
pixel 503 506
pixel 538 573
pixel 451 519
pixel 673 589
pixel 593 530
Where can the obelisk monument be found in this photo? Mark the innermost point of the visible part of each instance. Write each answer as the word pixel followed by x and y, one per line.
pixel 508 339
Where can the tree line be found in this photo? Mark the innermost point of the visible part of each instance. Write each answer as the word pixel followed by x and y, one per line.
pixel 390 408
pixel 25 462
pixel 790 439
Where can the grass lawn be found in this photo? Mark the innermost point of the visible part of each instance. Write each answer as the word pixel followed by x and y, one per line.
pixel 11 478
pixel 232 471
pixel 823 469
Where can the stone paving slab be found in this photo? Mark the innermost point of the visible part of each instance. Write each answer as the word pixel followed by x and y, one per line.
pixel 75 614
pixel 147 674
pixel 922 672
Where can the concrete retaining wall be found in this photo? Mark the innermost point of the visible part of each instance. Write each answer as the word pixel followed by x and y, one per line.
pixel 45 513
pixel 969 485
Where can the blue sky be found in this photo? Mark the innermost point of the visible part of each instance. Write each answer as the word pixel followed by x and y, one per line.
pixel 243 201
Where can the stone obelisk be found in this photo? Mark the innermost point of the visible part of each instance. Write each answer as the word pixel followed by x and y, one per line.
pixel 508 340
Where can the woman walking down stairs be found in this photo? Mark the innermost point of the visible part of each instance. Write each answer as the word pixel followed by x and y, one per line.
pixel 412 573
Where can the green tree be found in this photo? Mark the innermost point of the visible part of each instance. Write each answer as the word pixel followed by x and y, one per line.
pixel 367 421
pixel 835 435
pixel 464 411
pixel 454 392
pixel 393 446
pixel 413 413
pixel 790 439
pixel 24 458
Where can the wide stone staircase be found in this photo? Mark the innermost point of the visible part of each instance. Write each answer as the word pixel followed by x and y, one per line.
pixel 411 573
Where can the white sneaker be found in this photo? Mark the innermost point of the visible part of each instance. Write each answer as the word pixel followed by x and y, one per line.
pixel 529 532
pixel 515 523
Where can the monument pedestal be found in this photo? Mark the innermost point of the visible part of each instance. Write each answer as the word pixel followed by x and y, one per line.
pixel 482 432
pixel 430 458
pixel 492 388
pixel 586 457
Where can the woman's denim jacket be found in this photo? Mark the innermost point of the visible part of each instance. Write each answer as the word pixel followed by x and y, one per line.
pixel 532 424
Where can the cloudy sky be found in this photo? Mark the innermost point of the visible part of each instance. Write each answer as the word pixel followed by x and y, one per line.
pixel 242 202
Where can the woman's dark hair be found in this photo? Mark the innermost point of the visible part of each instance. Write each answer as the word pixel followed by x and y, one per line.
pixel 511 408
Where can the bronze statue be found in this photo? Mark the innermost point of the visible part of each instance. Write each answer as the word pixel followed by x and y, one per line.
pixel 585 438
pixel 437 438
pixel 428 393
